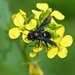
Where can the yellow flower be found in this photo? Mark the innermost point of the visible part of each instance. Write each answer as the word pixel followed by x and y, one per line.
pixel 34 69
pixel 52 52
pixel 57 15
pixel 61 50
pixel 62 53
pixel 36 50
pixel 30 26
pixel 14 33
pixel 62 43
pixel 24 36
pixel 66 41
pixel 42 6
pixel 23 13
pixel 32 54
pixel 60 31
pixel 36 13
pixel 18 20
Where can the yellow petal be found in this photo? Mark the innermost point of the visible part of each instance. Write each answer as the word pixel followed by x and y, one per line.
pixel 42 6
pixel 39 71
pixel 31 69
pixel 14 33
pixel 18 20
pixel 66 41
pixel 23 13
pixel 52 52
pixel 25 32
pixel 50 9
pixel 24 36
pixel 36 14
pixel 32 24
pixel 57 15
pixel 32 54
pixel 52 20
pixel 25 39
pixel 37 49
pixel 60 31
pixel 63 53
pixel 34 69
pixel 13 16
pixel 57 40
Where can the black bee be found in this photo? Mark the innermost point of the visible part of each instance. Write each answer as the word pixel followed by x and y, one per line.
pixel 41 35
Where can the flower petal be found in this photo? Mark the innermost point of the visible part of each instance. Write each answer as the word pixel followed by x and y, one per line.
pixel 52 52
pixel 38 71
pixel 42 6
pixel 66 41
pixel 32 54
pixel 58 15
pixel 60 31
pixel 34 69
pixel 50 9
pixel 63 53
pixel 24 36
pixel 36 14
pixel 37 49
pixel 25 39
pixel 18 20
pixel 25 32
pixel 32 24
pixel 31 69
pixel 52 20
pixel 14 33
pixel 23 13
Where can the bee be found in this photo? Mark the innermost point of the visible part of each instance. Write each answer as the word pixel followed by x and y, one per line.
pixel 42 35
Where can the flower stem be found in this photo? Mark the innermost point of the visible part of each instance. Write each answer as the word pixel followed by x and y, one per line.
pixel 22 50
pixel 29 18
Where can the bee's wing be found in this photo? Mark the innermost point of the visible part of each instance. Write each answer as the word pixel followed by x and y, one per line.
pixel 48 41
pixel 45 22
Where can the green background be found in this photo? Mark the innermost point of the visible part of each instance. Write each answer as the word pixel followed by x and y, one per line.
pixel 10 55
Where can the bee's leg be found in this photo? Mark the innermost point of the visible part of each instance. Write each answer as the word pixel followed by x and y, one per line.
pixel 46 43
pixel 39 42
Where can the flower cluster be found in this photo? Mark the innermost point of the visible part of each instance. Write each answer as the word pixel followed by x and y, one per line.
pixel 26 25
pixel 34 68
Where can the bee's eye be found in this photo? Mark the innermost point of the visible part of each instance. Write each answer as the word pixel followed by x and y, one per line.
pixel 30 36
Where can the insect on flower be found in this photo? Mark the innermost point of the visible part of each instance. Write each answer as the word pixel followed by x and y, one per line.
pixel 41 35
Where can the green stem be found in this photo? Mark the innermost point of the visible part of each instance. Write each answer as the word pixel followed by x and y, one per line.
pixel 19 46
pixel 23 51
pixel 29 18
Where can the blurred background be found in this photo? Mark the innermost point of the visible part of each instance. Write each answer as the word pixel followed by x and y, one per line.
pixel 11 57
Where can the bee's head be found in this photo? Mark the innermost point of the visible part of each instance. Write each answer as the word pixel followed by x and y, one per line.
pixel 30 36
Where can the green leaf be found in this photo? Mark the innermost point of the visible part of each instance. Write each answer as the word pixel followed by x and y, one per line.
pixel 54 26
